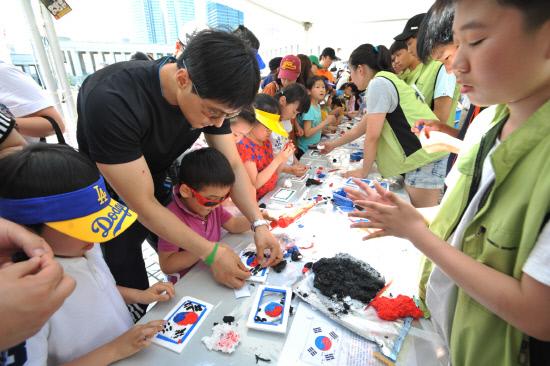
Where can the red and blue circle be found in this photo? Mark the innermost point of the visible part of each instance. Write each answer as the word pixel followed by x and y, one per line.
pixel 273 309
pixel 251 261
pixel 323 343
pixel 186 318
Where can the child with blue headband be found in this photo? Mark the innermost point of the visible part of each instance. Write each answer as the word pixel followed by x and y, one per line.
pixel 58 193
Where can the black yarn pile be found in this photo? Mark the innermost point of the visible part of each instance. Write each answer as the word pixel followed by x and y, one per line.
pixel 344 275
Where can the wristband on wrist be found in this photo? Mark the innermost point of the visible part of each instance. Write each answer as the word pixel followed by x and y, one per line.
pixel 210 259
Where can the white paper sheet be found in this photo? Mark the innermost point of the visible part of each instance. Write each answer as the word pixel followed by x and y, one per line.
pixel 314 339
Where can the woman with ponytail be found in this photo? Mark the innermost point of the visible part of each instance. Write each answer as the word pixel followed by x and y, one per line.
pixel 392 109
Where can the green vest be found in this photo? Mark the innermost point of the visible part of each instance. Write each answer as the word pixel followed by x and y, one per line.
pixel 399 150
pixel 412 75
pixel 424 76
pixel 501 234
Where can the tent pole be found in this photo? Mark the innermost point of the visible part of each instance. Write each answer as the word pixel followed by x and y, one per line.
pixel 40 53
pixel 59 64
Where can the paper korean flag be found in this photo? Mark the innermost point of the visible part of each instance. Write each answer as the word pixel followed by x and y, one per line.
pixel 181 323
pixel 321 345
pixel 258 274
pixel 270 309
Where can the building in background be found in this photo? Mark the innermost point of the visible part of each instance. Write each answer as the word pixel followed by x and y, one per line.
pixel 160 21
pixel 177 13
pixel 223 17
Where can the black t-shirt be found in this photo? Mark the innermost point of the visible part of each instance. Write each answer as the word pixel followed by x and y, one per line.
pixel 122 116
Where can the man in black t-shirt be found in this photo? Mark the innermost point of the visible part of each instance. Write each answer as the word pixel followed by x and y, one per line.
pixel 135 118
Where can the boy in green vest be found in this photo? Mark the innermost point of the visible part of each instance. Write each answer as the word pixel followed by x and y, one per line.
pixel 438 88
pixel 489 293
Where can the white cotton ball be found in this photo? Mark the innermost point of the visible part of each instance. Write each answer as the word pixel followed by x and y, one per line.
pixel 225 338
pixel 287 183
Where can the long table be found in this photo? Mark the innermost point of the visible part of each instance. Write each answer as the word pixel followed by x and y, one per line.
pixel 328 229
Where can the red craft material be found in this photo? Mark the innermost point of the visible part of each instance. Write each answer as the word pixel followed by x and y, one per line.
pixel 394 308
pixel 285 220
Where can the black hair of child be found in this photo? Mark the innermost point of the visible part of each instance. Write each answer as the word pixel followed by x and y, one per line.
pixel 535 12
pixel 377 58
pixel 247 113
pixel 398 45
pixel 312 80
pixel 274 64
pixel 205 167
pixel 436 29
pixel 140 56
pixel 294 93
pixel 266 103
pixel 305 71
pixel 41 169
pixel 222 68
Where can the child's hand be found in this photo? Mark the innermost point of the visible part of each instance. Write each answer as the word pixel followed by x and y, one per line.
pixel 387 218
pixel 328 120
pixel 298 169
pixel 327 147
pixel 357 173
pixel 160 291
pixel 286 152
pixel 299 131
pixel 367 193
pixel 427 126
pixel 135 339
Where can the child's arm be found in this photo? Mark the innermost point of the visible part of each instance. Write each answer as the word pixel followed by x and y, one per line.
pixel 173 262
pixel 133 341
pixel 375 124
pixel 258 179
pixel 310 131
pixel 237 225
pixel 523 303
pixel 349 136
pixel 160 291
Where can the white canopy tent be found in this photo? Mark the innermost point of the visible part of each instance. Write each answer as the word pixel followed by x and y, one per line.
pixel 282 26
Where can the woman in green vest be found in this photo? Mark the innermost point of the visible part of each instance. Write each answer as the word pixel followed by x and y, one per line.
pixel 489 292
pixel 392 109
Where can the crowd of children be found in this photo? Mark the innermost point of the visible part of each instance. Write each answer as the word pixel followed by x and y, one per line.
pixel 486 279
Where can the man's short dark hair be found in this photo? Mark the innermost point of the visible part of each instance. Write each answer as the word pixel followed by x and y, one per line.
pixel 205 167
pixel 436 29
pixel 222 68
pixel 398 45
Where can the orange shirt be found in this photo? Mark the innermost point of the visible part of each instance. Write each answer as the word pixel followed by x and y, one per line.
pixel 271 88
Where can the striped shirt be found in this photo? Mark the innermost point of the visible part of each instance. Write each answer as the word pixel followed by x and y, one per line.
pixel 7 122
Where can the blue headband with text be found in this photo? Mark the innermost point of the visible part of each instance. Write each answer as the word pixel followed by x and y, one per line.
pixel 58 207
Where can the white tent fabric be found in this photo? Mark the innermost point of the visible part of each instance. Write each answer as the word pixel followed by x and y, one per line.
pixel 342 24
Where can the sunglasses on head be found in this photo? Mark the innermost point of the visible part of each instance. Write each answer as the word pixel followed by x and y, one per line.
pixel 208 202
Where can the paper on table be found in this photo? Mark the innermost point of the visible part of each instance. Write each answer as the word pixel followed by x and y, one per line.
pixel 314 339
pixel 242 292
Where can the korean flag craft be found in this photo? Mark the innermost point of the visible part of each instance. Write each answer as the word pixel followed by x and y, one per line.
pixel 350 183
pixel 181 323
pixel 257 273
pixel 321 345
pixel 270 309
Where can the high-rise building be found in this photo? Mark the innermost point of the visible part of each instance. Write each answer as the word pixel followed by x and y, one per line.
pixel 177 14
pixel 160 21
pixel 223 17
